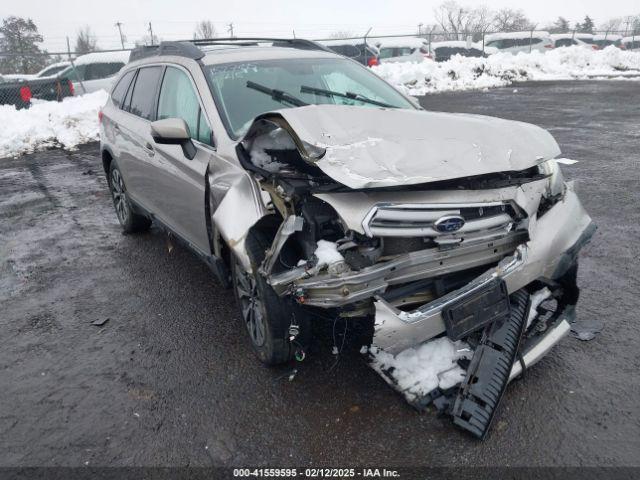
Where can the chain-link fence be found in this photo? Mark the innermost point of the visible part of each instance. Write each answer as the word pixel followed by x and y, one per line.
pixel 29 77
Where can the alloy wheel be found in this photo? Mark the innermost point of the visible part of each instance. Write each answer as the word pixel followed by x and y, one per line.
pixel 251 305
pixel 119 196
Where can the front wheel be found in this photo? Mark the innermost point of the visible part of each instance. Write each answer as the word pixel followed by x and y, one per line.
pixel 267 316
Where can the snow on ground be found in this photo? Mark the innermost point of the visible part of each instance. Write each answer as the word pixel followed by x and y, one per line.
pixel 501 69
pixel 65 124
pixel 417 371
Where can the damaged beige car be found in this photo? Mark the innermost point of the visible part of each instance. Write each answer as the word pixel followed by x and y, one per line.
pixel 317 191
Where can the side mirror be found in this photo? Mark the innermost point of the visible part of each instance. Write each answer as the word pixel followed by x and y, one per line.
pixel 173 131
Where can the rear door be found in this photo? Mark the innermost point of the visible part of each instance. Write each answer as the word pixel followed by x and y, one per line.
pixel 136 160
pixel 179 183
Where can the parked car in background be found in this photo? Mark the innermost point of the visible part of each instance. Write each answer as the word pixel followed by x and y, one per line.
pixel 443 51
pixel 607 40
pixel 20 93
pixel 568 40
pixel 357 49
pixel 630 43
pixel 48 71
pixel 402 49
pixel 515 42
pixel 95 71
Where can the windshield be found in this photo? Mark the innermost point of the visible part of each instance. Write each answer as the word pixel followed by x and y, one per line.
pixel 245 90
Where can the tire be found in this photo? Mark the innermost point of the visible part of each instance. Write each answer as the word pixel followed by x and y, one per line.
pixel 266 315
pixel 130 221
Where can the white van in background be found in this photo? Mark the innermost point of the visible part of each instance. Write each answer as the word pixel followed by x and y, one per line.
pixel 95 71
pixel 402 49
pixel 514 42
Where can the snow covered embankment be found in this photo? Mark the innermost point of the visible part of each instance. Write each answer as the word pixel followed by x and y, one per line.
pixel 502 69
pixel 64 124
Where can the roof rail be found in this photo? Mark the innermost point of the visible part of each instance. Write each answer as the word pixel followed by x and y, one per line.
pixel 180 49
pixel 189 48
pixel 300 43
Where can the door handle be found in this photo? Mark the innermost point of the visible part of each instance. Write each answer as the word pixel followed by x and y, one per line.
pixel 149 148
pixel 116 127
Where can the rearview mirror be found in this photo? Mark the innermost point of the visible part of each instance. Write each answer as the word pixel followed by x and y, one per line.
pixel 173 131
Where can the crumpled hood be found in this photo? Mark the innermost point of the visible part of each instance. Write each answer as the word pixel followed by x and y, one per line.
pixel 380 147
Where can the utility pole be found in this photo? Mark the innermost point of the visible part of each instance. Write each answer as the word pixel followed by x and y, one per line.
pixel 230 29
pixel 151 32
pixel 119 25
pixel 68 48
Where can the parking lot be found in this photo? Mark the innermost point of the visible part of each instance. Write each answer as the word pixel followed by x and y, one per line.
pixel 170 378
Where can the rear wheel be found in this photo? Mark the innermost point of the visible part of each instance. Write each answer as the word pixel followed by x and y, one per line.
pixel 129 220
pixel 267 316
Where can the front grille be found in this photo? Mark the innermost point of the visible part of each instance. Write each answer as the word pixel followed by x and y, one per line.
pixel 419 220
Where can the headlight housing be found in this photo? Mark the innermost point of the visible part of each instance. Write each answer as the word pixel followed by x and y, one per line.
pixel 555 186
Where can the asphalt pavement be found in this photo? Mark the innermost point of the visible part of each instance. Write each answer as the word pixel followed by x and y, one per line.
pixel 169 378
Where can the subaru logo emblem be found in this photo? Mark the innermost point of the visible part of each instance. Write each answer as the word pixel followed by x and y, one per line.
pixel 449 224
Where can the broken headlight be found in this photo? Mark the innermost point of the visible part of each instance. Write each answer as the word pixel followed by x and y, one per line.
pixel 555 188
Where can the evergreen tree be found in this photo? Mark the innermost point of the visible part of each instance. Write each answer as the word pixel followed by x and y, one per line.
pixel 20 36
pixel 587 25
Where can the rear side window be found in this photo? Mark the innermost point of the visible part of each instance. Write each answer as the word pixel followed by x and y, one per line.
pixel 121 88
pixel 144 92
pixel 178 99
pixel 97 71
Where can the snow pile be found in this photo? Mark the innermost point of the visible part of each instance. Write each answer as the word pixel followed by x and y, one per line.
pixel 501 69
pixel 419 370
pixel 64 124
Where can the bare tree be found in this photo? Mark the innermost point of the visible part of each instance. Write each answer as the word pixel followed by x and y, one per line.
pixel 205 29
pixel 341 34
pixel 457 20
pixel 86 41
pixel 511 20
pixel 612 25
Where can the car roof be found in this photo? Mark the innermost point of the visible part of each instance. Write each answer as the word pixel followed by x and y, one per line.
pixel 233 54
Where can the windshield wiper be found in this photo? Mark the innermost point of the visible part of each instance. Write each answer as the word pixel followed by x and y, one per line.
pixel 277 95
pixel 350 95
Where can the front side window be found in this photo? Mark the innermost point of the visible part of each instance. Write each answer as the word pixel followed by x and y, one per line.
pixel 387 53
pixel 144 92
pixel 245 90
pixel 178 99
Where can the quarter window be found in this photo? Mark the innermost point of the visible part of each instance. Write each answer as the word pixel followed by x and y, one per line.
pixel 179 100
pixel 121 88
pixel 144 92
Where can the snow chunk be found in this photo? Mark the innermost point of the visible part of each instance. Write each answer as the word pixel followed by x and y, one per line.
pixel 64 124
pixel 566 161
pixel 278 139
pixel 327 254
pixel 417 371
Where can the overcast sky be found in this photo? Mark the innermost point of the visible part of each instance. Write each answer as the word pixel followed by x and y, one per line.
pixel 312 19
